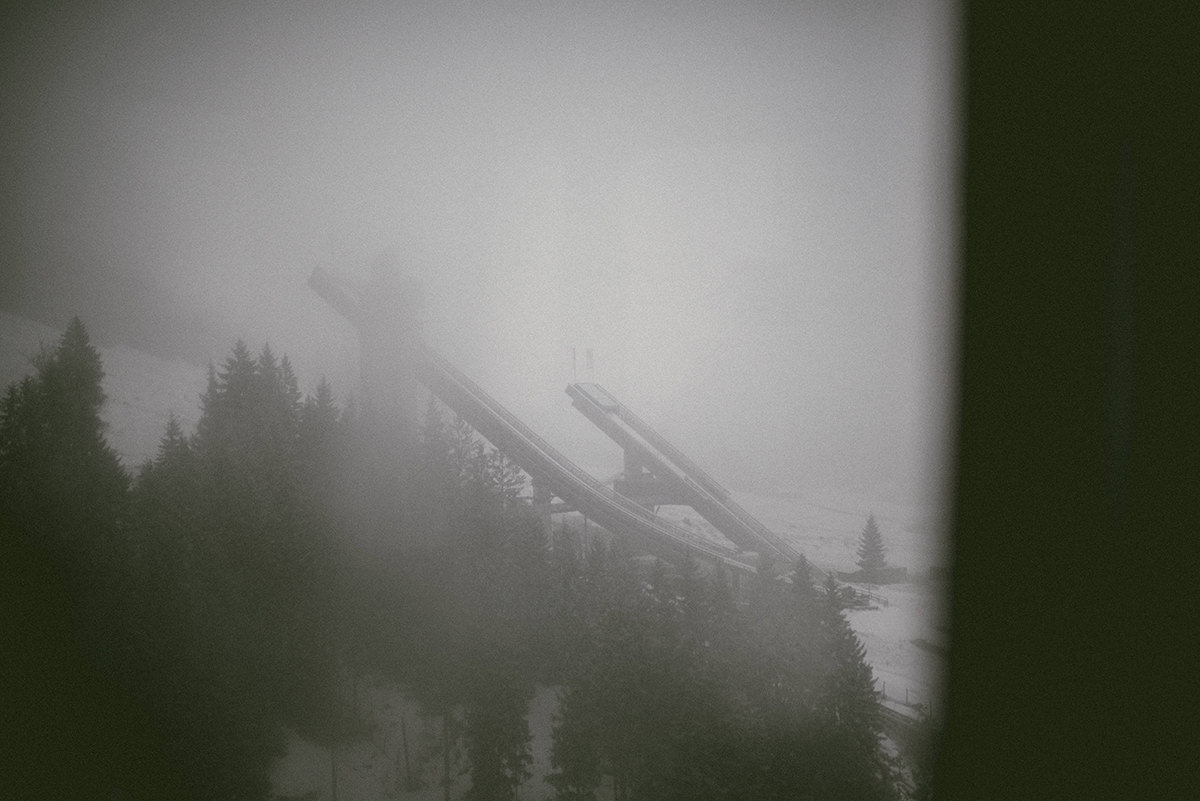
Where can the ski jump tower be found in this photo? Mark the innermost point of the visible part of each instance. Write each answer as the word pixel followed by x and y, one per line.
pixel 388 314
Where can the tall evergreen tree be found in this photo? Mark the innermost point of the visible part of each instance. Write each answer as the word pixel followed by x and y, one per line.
pixel 242 543
pixel 850 706
pixel 65 532
pixel 677 692
pixel 870 548
pixel 496 733
pixel 57 473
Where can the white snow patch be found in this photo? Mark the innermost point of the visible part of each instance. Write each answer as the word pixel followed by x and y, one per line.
pixel 142 390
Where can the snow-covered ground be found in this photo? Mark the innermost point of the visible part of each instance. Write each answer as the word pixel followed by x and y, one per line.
pixel 907 642
pixel 142 390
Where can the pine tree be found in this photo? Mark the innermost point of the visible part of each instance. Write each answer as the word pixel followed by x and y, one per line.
pixel 802 584
pixel 855 699
pixel 258 641
pixel 575 751
pixel 319 430
pixel 165 515
pixel 316 568
pixel 496 733
pixel 65 529
pixel 52 437
pixel 226 424
pixel 870 549
pixel 849 705
pixel 57 473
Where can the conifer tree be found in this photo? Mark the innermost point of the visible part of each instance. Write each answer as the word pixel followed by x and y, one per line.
pixel 64 525
pixel 850 707
pixel 255 548
pixel 57 473
pixel 320 426
pixel 64 488
pixel 870 549
pixel 496 733
pixel 165 514
pixel 802 584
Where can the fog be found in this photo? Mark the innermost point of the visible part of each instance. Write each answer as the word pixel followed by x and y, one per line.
pixel 744 210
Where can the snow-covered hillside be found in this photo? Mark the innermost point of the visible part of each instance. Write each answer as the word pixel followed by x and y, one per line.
pixel 142 390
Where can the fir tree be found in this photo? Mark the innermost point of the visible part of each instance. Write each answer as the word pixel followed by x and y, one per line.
pixel 57 473
pixel 802 582
pixel 850 710
pixel 244 543
pixel 65 529
pixel 870 549
pixel 320 427
pixel 496 733
pixel 575 751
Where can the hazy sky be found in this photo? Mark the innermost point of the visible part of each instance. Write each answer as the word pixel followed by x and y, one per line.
pixel 745 209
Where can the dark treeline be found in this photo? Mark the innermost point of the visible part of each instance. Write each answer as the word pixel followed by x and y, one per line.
pixel 168 625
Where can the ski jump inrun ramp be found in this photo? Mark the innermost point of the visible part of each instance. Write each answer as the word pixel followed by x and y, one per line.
pixel 604 505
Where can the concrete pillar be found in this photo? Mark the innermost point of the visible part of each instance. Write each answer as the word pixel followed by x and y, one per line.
pixel 393 309
pixel 542 496
pixel 631 465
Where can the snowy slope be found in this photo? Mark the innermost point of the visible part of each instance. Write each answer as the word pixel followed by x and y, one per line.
pixel 142 390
